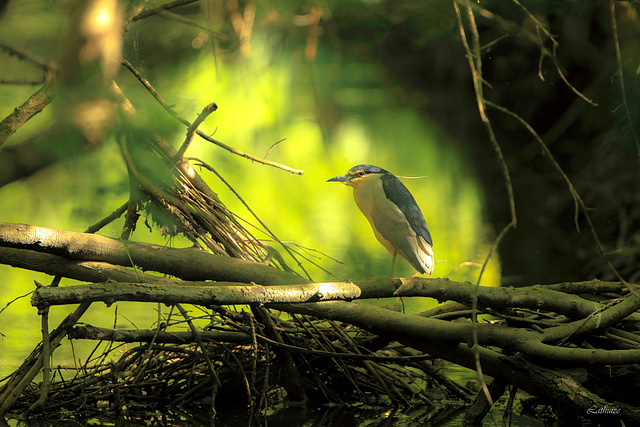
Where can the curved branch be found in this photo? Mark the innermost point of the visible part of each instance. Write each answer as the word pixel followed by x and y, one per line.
pixel 403 327
pixel 498 298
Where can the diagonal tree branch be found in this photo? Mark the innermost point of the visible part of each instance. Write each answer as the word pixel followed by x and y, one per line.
pixel 173 261
pixel 204 136
pixel 25 112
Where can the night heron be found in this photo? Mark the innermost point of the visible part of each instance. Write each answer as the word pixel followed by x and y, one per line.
pixel 393 213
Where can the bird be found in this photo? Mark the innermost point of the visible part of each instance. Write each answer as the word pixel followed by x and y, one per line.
pixel 394 215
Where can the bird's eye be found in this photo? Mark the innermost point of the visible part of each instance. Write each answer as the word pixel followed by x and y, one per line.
pixel 360 173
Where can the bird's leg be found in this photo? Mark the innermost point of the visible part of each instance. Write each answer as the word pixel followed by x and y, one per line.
pixel 393 262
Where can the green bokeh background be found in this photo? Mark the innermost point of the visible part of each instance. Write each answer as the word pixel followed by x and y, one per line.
pixel 334 112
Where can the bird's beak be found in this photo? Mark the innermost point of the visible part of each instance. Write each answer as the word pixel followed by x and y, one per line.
pixel 340 178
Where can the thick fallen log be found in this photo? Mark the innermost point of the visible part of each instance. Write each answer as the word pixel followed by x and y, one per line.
pixel 210 293
pixel 86 271
pixel 533 343
pixel 229 293
pixel 594 317
pixel 442 289
pixel 176 262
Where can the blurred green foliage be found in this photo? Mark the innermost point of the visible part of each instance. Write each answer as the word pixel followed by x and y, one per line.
pixel 334 111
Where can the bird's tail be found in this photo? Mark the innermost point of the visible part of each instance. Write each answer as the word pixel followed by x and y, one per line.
pixel 425 257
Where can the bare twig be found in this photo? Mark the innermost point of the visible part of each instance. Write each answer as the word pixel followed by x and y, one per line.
pixel 46 66
pixel 270 233
pixel 476 72
pixel 46 363
pixel 178 18
pixel 566 81
pixel 20 115
pixel 536 39
pixel 14 300
pixel 160 8
pixel 574 193
pixel 541 27
pixel 32 365
pixel 182 120
pixel 273 145
pixel 191 129
pixel 205 353
pixel 108 219
pixel 623 92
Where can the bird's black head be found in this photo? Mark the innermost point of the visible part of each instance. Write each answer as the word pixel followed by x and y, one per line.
pixel 361 170
pixel 357 172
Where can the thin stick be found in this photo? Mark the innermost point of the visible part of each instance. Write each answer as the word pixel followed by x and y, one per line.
pixel 46 66
pixel 574 193
pixel 26 111
pixel 191 129
pixel 270 233
pixel 14 300
pixel 108 219
pixel 161 8
pixel 566 81
pixel 625 104
pixel 32 365
pixel 198 339
pixel 476 73
pixel 273 145
pixel 206 137
pixel 46 364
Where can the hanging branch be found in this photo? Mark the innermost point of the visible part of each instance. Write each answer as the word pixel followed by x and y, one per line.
pixel 623 91
pixel 474 58
pixel 579 203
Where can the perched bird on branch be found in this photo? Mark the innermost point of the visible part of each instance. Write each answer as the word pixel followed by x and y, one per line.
pixel 393 213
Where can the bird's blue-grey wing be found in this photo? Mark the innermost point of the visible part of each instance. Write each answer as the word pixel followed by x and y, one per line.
pixel 400 209
pixel 400 195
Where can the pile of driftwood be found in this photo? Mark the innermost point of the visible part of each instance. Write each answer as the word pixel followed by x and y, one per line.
pixel 239 360
pixel 575 347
